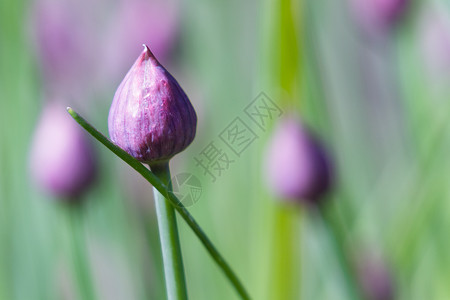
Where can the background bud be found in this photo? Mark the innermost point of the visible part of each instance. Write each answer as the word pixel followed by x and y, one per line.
pixel 378 15
pixel 435 40
pixel 151 117
pixel 375 278
pixel 61 159
pixel 60 29
pixel 296 165
pixel 134 22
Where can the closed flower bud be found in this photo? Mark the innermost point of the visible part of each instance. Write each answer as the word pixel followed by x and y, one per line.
pixel 435 41
pixel 296 165
pixel 61 159
pixel 375 277
pixel 151 117
pixel 60 31
pixel 379 15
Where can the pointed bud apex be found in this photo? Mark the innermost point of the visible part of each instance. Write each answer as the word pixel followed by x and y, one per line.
pixel 61 158
pixel 151 117
pixel 296 165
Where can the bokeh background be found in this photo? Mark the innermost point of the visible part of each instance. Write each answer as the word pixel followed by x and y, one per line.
pixel 370 78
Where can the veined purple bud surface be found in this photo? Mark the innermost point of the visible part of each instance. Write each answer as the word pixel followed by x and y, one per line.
pixel 379 15
pixel 151 117
pixel 297 167
pixel 62 160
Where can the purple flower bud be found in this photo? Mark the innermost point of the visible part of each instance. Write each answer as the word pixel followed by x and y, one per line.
pixel 435 41
pixel 296 165
pixel 62 159
pixel 379 15
pixel 375 278
pixel 66 35
pixel 59 33
pixel 151 117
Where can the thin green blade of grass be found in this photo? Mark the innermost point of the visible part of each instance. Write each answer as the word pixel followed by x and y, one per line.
pixel 163 189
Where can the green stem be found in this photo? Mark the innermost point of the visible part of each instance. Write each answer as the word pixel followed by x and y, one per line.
pixel 163 189
pixel 168 235
pixel 80 264
pixel 337 241
pixel 151 271
pixel 285 263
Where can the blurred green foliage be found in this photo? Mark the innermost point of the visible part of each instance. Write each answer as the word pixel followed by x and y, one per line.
pixel 390 150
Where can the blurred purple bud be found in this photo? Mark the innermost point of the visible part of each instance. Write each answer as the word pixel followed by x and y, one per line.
pixel 59 38
pixel 138 22
pixel 297 167
pixel 435 40
pixel 151 117
pixel 62 160
pixel 379 15
pixel 375 278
